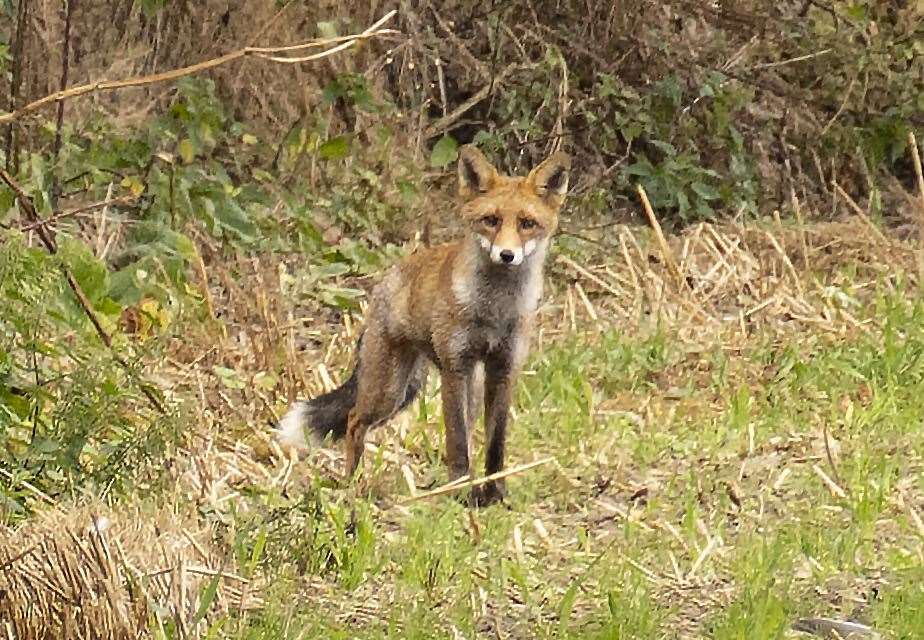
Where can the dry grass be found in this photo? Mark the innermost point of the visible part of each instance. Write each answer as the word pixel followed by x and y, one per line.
pixel 82 572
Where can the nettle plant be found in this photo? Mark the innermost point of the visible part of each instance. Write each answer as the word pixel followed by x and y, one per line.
pixel 683 146
pixel 68 414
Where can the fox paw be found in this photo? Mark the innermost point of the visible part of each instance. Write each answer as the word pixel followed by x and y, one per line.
pixel 486 494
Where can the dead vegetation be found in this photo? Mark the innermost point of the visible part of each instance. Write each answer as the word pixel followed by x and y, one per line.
pixel 112 573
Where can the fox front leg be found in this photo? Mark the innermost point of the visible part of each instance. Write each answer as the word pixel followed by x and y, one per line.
pixel 500 378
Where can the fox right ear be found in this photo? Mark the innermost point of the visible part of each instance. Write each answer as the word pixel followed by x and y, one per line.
pixel 476 174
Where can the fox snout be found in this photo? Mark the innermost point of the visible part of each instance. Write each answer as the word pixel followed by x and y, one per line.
pixel 512 257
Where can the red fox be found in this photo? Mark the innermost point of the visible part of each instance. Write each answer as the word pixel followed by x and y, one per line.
pixel 467 307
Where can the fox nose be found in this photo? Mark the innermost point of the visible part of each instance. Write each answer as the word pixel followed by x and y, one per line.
pixel 507 256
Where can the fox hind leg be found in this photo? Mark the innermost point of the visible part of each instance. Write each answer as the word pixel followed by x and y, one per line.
pixel 390 377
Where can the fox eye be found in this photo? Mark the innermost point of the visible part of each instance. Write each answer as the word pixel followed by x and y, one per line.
pixel 491 221
pixel 527 223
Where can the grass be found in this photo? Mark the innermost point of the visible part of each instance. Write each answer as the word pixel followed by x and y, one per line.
pixel 707 484
pixel 688 501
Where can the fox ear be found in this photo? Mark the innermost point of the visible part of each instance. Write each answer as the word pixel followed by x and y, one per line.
pixel 550 179
pixel 476 174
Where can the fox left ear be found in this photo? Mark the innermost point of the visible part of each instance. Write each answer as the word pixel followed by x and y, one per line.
pixel 476 174
pixel 550 179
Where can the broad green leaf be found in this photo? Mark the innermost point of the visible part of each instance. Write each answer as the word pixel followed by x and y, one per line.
pixel 705 191
pixel 639 169
pixel 446 150
pixel 666 147
pixel 90 273
pixel 233 218
pixel 335 148
pixel 186 150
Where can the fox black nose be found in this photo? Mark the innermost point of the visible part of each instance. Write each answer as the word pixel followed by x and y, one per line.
pixel 507 256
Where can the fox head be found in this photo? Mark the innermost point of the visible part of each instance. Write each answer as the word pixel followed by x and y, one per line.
pixel 511 217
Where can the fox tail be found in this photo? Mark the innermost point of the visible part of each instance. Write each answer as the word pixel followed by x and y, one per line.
pixel 309 422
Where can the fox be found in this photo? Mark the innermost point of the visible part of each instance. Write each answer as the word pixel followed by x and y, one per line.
pixel 467 307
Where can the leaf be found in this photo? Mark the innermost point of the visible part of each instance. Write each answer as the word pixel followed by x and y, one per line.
pixel 705 191
pixel 257 552
pixel 328 29
pixel 208 596
pixel 89 272
pixel 567 604
pixel 666 147
pixel 613 605
pixel 446 150
pixel 133 184
pixel 233 218
pixel 335 148
pixel 639 169
pixel 186 150
pixel 228 377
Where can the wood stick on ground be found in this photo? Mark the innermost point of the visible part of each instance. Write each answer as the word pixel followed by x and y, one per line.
pixel 466 483
pixel 916 160
pixel 857 210
pixel 265 53
pixel 659 234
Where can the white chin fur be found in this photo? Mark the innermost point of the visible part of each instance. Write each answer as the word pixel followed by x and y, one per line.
pixel 291 432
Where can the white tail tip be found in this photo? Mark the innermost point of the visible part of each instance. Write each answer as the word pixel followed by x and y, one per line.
pixel 291 432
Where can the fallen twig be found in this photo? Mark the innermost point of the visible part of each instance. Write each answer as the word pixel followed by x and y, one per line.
pixel 659 234
pixel 465 482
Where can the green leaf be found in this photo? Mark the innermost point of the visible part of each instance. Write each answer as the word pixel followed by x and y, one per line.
pixel 328 29
pixel 228 377
pixel 705 191
pixel 257 552
pixel 446 150
pixel 335 148
pixel 567 604
pixel 666 147
pixel 208 596
pixel 89 272
pixel 613 605
pixel 639 169
pixel 186 150
pixel 233 218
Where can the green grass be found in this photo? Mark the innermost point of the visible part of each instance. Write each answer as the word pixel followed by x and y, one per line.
pixel 669 458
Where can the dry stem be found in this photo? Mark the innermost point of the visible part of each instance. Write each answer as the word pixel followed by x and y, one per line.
pixel 259 52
